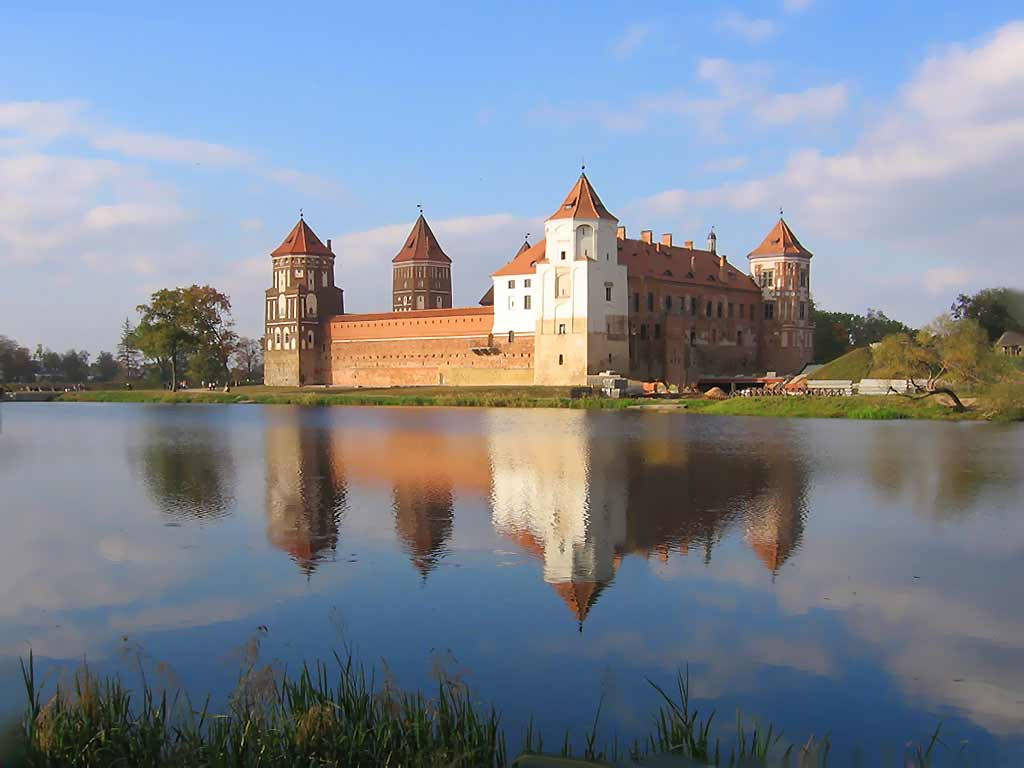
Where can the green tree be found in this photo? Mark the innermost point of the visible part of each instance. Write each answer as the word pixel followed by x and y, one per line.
pixel 996 309
pixel 213 326
pixel 128 351
pixel 16 363
pixel 836 333
pixel 105 367
pixel 166 330
pixel 74 366
pixel 49 362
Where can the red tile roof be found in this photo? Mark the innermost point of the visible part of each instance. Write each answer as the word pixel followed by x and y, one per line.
pixel 421 245
pixel 671 262
pixel 522 263
pixel 582 203
pixel 301 241
pixel 580 596
pixel 780 242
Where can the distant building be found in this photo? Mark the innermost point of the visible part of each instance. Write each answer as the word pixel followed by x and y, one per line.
pixel 1011 343
pixel 583 300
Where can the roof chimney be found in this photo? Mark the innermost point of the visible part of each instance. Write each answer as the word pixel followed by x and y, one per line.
pixel 329 245
pixel 647 236
pixel 693 264
pixel 620 233
pixel 723 268
pixel 666 239
pixel 688 244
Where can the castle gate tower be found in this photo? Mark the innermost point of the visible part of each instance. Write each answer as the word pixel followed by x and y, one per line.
pixel 782 267
pixel 421 272
pixel 302 297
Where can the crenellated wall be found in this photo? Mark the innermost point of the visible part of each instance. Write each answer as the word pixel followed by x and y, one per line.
pixel 432 347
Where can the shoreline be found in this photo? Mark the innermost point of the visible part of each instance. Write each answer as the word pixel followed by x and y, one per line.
pixel 881 408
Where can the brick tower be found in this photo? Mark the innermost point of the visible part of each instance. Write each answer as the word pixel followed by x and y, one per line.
pixel 421 272
pixel 302 297
pixel 782 267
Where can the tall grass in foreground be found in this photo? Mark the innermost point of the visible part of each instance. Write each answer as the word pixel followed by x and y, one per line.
pixel 344 719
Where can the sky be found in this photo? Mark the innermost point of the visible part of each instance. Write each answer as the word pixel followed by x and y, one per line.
pixel 149 145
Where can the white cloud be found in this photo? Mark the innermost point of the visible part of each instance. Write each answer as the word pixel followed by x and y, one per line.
pixel 729 163
pixel 634 36
pixel 749 29
pixel 942 172
pixel 812 105
pixel 107 217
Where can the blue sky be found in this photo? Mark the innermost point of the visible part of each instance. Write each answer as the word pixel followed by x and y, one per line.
pixel 145 146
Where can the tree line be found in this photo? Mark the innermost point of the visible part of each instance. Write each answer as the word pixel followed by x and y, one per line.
pixel 182 334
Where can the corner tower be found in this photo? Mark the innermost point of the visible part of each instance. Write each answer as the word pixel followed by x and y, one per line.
pixel 421 272
pixel 581 293
pixel 302 297
pixel 782 267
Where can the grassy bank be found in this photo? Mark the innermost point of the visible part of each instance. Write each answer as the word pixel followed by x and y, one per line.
pixel 339 717
pixel 545 397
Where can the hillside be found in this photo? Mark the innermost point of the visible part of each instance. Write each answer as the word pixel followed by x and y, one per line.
pixel 853 366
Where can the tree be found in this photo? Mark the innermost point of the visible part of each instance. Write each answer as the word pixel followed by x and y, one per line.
pixel 49 362
pixel 16 363
pixel 74 366
pixel 213 327
pixel 128 351
pixel 836 333
pixel 105 367
pixel 996 309
pixel 249 357
pixel 166 330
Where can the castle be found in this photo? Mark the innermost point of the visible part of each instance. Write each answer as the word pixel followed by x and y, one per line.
pixel 583 300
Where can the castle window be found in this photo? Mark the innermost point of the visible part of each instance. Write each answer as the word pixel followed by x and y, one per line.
pixel 693 306
pixel 769 310
pixel 708 310
pixel 636 302
pixel 742 307
pixel 511 336
pixel 438 301
pixel 751 311
pixel 527 283
pixel 643 330
pixel 511 302
pixel 560 359
pixel 739 337
pixel 323 278
pixel 803 278
pixel 511 283
pixel 526 302
pixel 693 338
pixel 563 256
pixel 561 332
pixel 719 311
pixel 767 278
pixel 657 330
pixel 802 310
pixel 730 309
pixel 714 336
pixel 668 303
pixel 650 302
pixel 608 293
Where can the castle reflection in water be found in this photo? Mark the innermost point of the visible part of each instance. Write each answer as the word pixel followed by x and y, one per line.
pixel 558 489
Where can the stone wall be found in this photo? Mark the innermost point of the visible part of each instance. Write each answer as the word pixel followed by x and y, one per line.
pixel 428 348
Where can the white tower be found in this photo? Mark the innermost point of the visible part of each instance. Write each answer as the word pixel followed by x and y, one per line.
pixel 581 293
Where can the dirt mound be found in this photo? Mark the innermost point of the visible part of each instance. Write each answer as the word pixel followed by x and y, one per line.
pixel 716 393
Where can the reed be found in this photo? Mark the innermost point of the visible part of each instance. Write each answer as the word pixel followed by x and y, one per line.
pixel 341 717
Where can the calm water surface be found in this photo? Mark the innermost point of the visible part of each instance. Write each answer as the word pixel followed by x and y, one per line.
pixel 862 579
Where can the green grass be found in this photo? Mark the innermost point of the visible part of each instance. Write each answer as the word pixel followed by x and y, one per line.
pixel 853 366
pixel 340 717
pixel 856 407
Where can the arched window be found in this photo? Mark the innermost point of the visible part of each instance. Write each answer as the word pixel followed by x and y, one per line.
pixel 560 359
pixel 584 242
pixel 511 336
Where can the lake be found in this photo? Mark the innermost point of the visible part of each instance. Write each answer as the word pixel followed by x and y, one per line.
pixel 855 578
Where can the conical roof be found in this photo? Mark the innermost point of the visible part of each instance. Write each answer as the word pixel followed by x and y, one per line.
pixel 780 242
pixel 421 245
pixel 582 202
pixel 580 596
pixel 301 241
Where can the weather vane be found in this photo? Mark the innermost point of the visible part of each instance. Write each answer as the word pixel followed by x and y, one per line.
pixel 419 208
pixel 300 213
pixel 583 163
pixel 780 211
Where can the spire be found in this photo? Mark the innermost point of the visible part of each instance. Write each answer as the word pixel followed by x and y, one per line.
pixel 421 245
pixel 582 202
pixel 301 241
pixel 780 242
pixel 580 596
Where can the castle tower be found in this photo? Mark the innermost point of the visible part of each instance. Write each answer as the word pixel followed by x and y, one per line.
pixel 302 296
pixel 421 272
pixel 782 267
pixel 581 291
